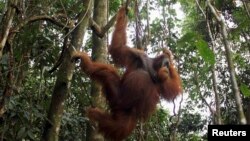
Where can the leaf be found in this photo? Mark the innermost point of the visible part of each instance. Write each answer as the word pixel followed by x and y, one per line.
pixel 205 52
pixel 188 37
pixel 31 135
pixel 245 90
pixel 21 133
pixel 187 40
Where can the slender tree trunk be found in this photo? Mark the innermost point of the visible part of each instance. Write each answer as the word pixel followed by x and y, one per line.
pixel 99 54
pixel 218 119
pixel 148 31
pixel 216 95
pixel 64 76
pixel 7 24
pixel 138 37
pixel 248 112
pixel 235 87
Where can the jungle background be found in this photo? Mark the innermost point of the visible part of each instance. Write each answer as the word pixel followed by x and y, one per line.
pixel 43 95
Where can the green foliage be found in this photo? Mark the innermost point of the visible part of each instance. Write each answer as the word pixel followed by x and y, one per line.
pixel 192 137
pixel 22 116
pixel 245 90
pixel 224 4
pixel 115 5
pixel 191 122
pixel 194 40
pixel 205 52
pixel 2 4
pixel 187 38
pixel 242 22
pixel 157 127
pixel 74 126
pixel 163 31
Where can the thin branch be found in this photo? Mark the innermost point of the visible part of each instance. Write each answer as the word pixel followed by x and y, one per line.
pixel 64 48
pixel 196 81
pixel 246 8
pixel 52 19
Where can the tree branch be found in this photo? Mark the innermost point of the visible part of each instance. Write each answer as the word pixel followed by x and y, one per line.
pixel 53 19
pixel 64 48
pixel 246 8
pixel 100 31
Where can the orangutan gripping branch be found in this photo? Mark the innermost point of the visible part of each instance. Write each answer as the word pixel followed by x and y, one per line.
pixel 133 96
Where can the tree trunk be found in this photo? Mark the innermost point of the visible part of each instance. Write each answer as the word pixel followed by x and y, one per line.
pixel 248 112
pixel 235 87
pixel 99 54
pixel 217 114
pixel 7 24
pixel 64 76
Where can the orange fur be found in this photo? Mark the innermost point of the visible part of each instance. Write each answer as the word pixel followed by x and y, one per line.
pixel 133 96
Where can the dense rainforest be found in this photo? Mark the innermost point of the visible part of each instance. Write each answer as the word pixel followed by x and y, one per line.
pixel 44 96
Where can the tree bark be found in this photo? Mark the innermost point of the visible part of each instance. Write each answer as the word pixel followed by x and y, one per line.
pixel 248 112
pixel 7 24
pixel 99 54
pixel 64 76
pixel 235 87
pixel 6 42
